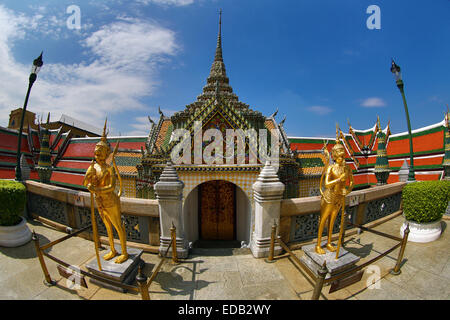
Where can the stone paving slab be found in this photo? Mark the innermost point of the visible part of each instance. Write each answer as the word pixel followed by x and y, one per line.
pixel 226 275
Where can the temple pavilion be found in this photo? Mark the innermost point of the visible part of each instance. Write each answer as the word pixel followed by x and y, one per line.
pixel 217 197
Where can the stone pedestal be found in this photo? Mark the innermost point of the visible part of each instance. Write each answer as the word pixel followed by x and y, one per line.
pixel 169 192
pixel 268 192
pixel 121 272
pixel 314 261
pixel 403 172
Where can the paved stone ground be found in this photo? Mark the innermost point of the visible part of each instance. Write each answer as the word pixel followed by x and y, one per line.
pixel 225 274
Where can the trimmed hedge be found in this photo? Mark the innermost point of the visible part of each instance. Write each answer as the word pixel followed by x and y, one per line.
pixel 12 202
pixel 425 201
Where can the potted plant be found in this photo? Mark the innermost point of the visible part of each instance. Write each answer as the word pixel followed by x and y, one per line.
pixel 424 203
pixel 14 231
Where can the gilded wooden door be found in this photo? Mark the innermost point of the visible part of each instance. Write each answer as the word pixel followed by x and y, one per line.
pixel 217 210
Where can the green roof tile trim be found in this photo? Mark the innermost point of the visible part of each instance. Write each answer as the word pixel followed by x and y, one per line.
pixel 15 152
pixel 78 158
pixel 363 166
pixel 363 185
pixel 417 134
pixel 424 167
pixel 419 153
pixel 310 162
pixel 427 166
pixel 74 170
pixel 110 140
pixel 8 164
pixel 127 161
pixel 13 132
pixel 167 137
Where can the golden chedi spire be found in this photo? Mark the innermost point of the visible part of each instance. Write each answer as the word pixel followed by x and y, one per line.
pixel 217 83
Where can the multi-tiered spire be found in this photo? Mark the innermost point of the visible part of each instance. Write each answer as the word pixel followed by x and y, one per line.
pixel 217 83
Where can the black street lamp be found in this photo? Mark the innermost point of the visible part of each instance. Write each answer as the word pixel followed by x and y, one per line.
pixel 395 69
pixel 37 64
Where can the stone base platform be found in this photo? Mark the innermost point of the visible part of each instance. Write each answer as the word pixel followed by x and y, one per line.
pixel 124 272
pixel 314 261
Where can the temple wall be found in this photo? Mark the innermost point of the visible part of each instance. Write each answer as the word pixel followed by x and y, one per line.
pixel 63 207
pixel 309 187
pixel 300 217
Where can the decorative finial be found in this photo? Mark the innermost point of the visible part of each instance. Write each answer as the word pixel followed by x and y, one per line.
pixel 220 20
pixel 160 112
pixel 48 118
pixel 103 138
pixel 378 123
pixel 218 56
pixel 274 114
pixel 282 121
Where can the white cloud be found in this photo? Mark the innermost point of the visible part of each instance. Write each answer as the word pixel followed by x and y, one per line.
pixel 320 110
pixel 373 102
pixel 121 71
pixel 131 44
pixel 142 127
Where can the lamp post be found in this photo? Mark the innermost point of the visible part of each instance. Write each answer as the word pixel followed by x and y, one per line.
pixel 395 69
pixel 37 64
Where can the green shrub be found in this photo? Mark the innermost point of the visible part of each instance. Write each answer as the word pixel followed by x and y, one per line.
pixel 425 201
pixel 12 202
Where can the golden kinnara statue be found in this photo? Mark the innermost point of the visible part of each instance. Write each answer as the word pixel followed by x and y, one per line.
pixel 100 180
pixel 334 178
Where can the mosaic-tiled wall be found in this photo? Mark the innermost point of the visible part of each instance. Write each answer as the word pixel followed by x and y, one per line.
pixel 137 227
pixel 305 227
pixel 244 180
pixel 309 187
pixel 129 187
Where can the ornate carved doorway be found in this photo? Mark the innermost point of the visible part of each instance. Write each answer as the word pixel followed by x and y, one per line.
pixel 217 210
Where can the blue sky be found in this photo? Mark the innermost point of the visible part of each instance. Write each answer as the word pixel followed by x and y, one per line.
pixel 316 61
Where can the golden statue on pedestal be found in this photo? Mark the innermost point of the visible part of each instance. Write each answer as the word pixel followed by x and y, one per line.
pixel 100 180
pixel 333 197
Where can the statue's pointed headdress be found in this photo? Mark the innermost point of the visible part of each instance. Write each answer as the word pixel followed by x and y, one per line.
pixel 103 141
pixel 338 141
pixel 338 144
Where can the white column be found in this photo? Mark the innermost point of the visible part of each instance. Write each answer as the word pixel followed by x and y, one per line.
pixel 169 192
pixel 267 192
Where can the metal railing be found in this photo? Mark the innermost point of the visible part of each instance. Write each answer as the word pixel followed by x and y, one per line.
pixel 319 279
pixel 141 279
